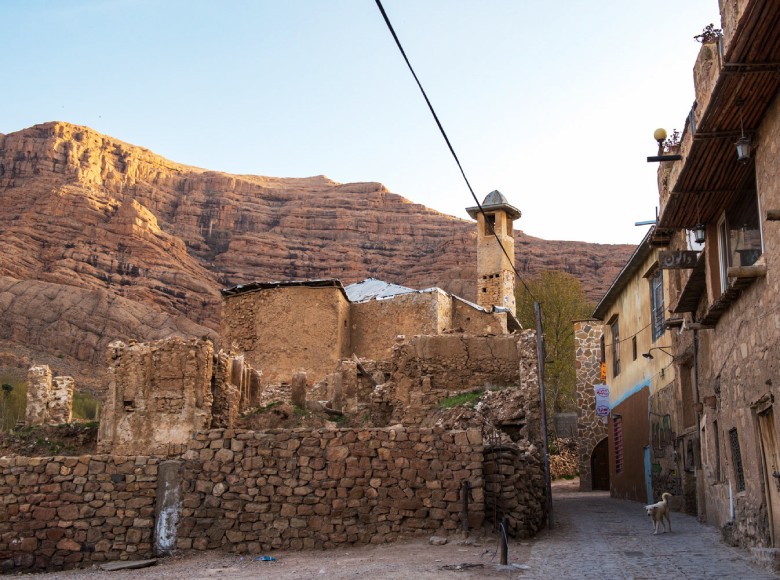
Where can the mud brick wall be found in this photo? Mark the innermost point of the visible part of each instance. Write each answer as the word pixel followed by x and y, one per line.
pixel 302 489
pixel 515 487
pixel 61 512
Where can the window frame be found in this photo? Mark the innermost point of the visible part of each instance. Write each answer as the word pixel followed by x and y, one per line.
pixel 657 306
pixel 614 330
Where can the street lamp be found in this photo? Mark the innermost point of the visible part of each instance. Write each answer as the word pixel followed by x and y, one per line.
pixel 649 356
pixel 743 143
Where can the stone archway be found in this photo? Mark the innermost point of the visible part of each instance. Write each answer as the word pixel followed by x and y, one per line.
pixel 599 466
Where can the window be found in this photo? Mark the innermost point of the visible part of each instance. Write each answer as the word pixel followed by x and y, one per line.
pixel 615 347
pixel 657 303
pixel 490 224
pixel 617 436
pixel 736 457
pixel 739 235
pixel 633 347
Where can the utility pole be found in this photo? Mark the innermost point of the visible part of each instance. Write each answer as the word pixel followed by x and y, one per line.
pixel 540 375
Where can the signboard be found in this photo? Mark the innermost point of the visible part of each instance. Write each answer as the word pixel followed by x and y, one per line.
pixel 602 400
pixel 677 260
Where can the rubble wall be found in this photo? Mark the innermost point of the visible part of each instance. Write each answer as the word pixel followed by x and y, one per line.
pixel 159 394
pixel 305 489
pixel 290 329
pixel 375 324
pixel 591 429
pixel 515 487
pixel 62 512
pixel 428 369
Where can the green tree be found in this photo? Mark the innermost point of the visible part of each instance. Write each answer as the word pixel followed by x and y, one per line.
pixel 563 301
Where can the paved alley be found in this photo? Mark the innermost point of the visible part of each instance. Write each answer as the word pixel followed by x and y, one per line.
pixel 599 537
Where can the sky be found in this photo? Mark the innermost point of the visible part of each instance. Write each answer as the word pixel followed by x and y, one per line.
pixel 552 103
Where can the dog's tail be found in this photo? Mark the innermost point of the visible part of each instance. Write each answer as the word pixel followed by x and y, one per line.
pixel 665 497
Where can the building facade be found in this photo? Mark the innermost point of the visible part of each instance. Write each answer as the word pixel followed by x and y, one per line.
pixel 727 302
pixel 636 351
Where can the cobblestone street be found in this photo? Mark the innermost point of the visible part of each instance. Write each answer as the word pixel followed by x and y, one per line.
pixel 599 537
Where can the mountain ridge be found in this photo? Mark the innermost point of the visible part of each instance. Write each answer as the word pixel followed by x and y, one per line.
pixel 86 213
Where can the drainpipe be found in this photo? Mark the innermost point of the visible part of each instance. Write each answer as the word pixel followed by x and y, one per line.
pixel 698 418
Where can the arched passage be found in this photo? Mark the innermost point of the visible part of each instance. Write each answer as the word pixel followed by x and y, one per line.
pixel 599 465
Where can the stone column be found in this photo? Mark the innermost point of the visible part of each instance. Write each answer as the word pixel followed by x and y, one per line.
pixel 61 401
pixel 38 395
pixel 590 428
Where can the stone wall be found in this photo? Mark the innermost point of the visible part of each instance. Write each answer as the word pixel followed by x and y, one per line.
pixel 61 512
pixel 249 492
pixel 49 399
pixel 591 429
pixel 515 487
pixel 304 489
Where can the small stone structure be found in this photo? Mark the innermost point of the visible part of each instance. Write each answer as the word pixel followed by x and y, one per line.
pixel 49 399
pixel 591 429
pixel 515 488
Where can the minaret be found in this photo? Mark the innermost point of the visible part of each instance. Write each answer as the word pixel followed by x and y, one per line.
pixel 495 272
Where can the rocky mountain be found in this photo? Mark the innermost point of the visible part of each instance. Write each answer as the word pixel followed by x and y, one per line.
pixel 102 240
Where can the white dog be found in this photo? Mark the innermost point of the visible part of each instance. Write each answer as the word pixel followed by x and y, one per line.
pixel 659 511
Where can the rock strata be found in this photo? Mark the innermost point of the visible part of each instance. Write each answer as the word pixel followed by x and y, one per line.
pixel 103 239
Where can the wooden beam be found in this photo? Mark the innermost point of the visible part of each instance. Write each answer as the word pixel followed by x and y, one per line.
pixel 758 271
pixel 699 326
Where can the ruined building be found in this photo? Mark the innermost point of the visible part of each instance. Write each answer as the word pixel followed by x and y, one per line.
pixel 176 471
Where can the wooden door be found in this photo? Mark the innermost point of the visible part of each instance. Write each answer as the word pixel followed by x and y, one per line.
pixel 599 466
pixel 769 448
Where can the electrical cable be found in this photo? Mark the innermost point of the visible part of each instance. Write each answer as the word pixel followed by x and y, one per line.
pixel 449 145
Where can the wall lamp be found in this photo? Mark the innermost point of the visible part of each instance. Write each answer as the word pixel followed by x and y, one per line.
pixel 743 143
pixel 699 232
pixel 660 136
pixel 649 356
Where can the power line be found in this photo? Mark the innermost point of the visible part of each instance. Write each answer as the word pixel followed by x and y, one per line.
pixel 449 145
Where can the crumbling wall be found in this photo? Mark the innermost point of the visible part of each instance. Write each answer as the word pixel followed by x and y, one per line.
pixel 61 512
pixel 159 394
pixel 591 428
pixel 49 399
pixel 428 369
pixel 306 489
pixel 236 386
pixel 515 488
pixel 287 329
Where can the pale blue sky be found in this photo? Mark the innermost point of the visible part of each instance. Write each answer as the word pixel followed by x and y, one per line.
pixel 552 103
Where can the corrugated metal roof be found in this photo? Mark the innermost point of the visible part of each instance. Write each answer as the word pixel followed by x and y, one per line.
pixel 373 289
pixel 636 260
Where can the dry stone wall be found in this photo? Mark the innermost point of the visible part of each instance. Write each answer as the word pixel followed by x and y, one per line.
pixel 303 489
pixel 60 512
pixel 515 488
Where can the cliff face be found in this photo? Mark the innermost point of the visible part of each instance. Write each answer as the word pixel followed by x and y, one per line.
pixel 103 240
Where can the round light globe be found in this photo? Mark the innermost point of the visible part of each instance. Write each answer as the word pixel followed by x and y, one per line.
pixel 660 134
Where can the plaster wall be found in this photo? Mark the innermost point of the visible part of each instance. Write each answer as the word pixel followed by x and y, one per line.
pixel 288 329
pixel 375 324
